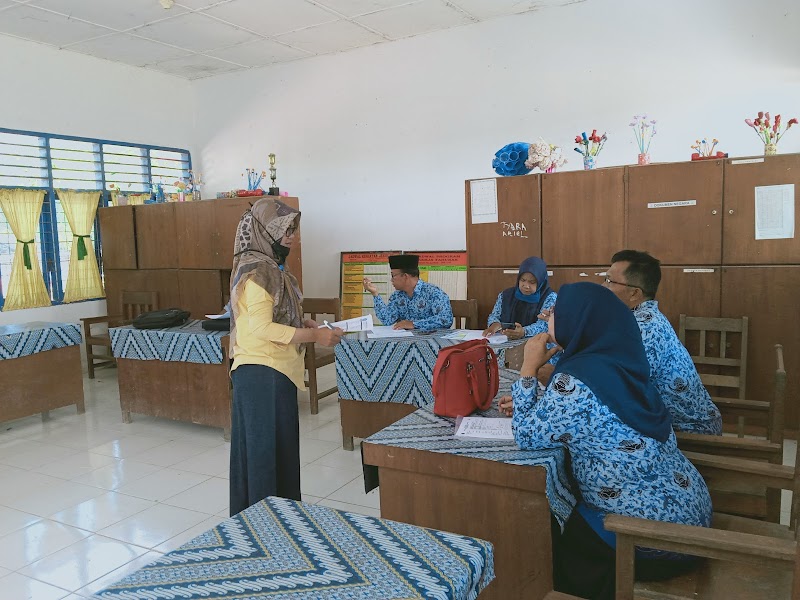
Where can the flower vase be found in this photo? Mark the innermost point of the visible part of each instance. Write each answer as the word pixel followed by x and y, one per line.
pixel 588 162
pixel 196 195
pixel 181 196
pixel 644 159
pixel 770 149
pixel 550 169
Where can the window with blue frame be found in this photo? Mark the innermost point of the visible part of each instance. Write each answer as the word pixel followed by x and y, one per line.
pixel 51 162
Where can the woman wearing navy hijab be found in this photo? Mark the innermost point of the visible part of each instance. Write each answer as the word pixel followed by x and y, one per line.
pixel 517 308
pixel 601 406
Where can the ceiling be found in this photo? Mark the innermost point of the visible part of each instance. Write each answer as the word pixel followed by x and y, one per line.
pixel 202 38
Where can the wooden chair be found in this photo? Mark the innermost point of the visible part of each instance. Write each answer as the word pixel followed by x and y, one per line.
pixel 742 497
pixel 133 304
pixel 465 313
pixel 318 356
pixel 750 559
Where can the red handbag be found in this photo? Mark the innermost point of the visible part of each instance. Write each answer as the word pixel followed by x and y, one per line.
pixel 465 379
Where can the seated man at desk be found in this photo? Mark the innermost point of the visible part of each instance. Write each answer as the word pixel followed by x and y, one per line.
pixel 415 304
pixel 634 277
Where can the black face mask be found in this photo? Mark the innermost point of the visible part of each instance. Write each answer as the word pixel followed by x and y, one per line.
pixel 280 252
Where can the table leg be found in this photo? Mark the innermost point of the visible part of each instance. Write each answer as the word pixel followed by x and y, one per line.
pixel 347 442
pixel 126 416
pixel 226 434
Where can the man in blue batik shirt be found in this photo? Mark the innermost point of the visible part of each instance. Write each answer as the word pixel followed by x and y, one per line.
pixel 415 304
pixel 634 277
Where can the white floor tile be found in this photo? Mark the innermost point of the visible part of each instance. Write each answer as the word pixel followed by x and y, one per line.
pixel 19 587
pixel 36 541
pixel 329 432
pixel 311 449
pixel 4 572
pixel 12 520
pixel 162 484
pixel 210 497
pixel 309 499
pixel 29 455
pixel 25 483
pixel 117 474
pixel 154 526
pixel 117 574
pixel 56 498
pixel 209 462
pixel 354 508
pixel 170 453
pixel 81 563
pixel 76 465
pixel 353 493
pixel 342 459
pixel 102 511
pixel 128 446
pixel 322 481
pixel 191 533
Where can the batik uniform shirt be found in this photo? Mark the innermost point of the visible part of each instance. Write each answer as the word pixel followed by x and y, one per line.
pixel 674 374
pixel 532 329
pixel 617 469
pixel 428 308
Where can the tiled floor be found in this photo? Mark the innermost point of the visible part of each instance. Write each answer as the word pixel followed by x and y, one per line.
pixel 86 499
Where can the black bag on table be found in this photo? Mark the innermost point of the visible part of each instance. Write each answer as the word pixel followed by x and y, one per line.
pixel 216 324
pixel 161 319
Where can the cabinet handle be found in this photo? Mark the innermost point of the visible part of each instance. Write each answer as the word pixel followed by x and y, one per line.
pixel 730 212
pixel 533 220
pixel 713 212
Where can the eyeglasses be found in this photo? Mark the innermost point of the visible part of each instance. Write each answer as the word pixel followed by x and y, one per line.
pixel 290 231
pixel 607 280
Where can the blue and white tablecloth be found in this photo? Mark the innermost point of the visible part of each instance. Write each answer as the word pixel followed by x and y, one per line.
pixel 185 343
pixel 423 430
pixel 286 550
pixel 394 369
pixel 31 338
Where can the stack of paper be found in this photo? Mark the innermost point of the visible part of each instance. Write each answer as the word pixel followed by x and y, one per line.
pixel 485 428
pixel 465 335
pixel 386 331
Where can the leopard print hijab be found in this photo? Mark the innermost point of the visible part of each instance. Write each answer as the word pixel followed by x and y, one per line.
pixel 253 259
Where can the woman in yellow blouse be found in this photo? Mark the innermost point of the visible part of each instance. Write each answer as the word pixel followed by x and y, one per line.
pixel 267 333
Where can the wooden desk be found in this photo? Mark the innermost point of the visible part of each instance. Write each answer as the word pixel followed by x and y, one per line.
pixel 40 367
pixel 471 488
pixel 171 378
pixel 382 380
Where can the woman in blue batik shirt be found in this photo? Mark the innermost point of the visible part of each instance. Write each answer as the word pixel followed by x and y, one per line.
pixel 521 305
pixel 602 407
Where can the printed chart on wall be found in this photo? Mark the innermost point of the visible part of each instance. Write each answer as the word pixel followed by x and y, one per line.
pixel 447 270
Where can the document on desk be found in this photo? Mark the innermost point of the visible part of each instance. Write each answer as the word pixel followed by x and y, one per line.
pixel 364 323
pixel 225 315
pixel 484 428
pixel 386 331
pixel 465 335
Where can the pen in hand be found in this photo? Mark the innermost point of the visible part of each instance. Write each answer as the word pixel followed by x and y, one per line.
pixel 328 325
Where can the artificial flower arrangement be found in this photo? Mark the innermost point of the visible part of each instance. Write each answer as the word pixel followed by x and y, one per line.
pixel 705 150
pixel 512 159
pixel 544 155
pixel 254 179
pixel 769 134
pixel 643 130
pixel 592 145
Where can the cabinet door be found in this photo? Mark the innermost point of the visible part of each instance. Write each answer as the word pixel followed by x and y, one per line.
pixel 558 276
pixel 661 222
pixel 295 260
pixel 768 296
pixel 516 234
pixel 165 282
pixel 200 292
pixel 227 214
pixel 743 177
pixel 115 282
pixel 117 237
pixel 485 284
pixel 156 236
pixel 194 222
pixel 583 216
pixel 692 291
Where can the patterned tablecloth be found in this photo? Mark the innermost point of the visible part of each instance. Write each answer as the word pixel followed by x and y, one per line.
pixel 30 338
pixel 394 369
pixel 186 343
pixel 286 550
pixel 422 430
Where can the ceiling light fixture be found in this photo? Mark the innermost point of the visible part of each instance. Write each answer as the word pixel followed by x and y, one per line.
pixel 167 3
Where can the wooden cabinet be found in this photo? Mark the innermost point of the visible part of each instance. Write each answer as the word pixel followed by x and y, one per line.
pixel 227 214
pixel 692 291
pixel 517 233
pixel 742 177
pixel 118 239
pixel 485 284
pixel 583 216
pixel 194 222
pixel 163 281
pixel 677 201
pixel 561 275
pixel 768 297
pixel 156 239
pixel 201 292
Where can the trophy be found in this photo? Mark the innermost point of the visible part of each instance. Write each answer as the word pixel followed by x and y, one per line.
pixel 273 190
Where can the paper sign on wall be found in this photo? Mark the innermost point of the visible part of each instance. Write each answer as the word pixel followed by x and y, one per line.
pixel 483 200
pixel 672 204
pixel 775 212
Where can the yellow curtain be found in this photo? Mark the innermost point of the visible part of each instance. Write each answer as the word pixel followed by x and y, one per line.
pixel 83 278
pixel 136 199
pixel 26 288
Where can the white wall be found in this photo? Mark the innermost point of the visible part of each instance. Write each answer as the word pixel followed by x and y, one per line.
pixel 377 142
pixel 61 92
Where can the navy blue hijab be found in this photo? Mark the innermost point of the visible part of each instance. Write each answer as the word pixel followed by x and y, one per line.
pixel 522 309
pixel 603 348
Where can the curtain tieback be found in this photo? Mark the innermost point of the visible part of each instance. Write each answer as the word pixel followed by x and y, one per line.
pixel 82 253
pixel 26 253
